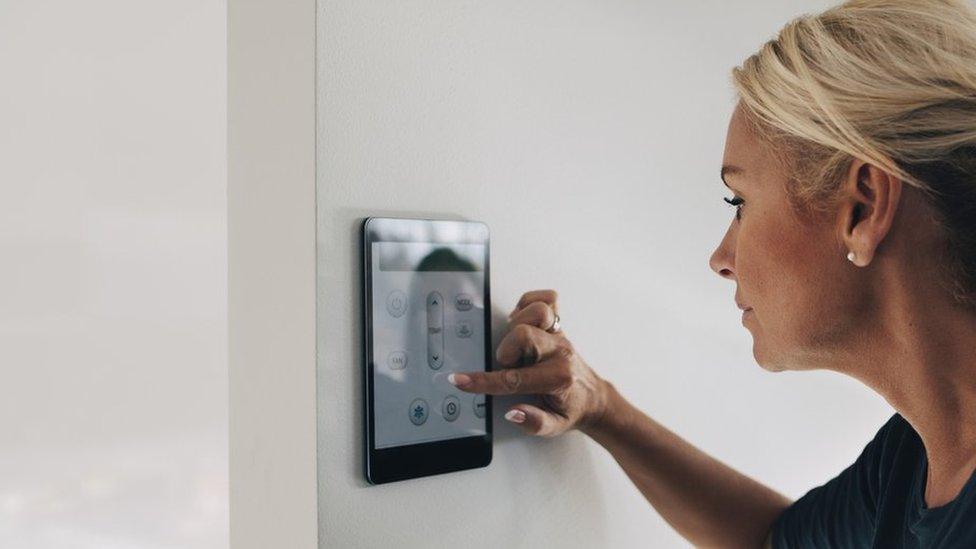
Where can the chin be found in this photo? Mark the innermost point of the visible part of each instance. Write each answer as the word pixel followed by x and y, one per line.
pixel 767 362
pixel 780 361
pixel 772 367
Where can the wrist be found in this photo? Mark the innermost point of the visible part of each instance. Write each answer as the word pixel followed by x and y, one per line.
pixel 605 410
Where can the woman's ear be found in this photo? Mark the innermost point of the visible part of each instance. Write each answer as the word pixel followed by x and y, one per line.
pixel 870 201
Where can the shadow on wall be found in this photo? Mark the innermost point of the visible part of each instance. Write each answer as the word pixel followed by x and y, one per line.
pixel 557 470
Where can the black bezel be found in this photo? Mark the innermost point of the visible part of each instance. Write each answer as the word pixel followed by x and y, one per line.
pixel 430 458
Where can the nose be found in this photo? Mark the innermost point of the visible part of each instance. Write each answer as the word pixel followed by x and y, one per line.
pixel 723 258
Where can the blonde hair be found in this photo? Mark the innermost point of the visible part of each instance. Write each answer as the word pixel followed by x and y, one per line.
pixel 890 82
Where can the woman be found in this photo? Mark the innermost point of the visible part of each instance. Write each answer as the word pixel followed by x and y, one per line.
pixel 852 156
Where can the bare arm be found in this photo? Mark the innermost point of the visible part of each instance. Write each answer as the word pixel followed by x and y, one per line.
pixel 707 502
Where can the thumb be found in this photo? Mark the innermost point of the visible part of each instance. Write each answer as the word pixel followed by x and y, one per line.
pixel 536 421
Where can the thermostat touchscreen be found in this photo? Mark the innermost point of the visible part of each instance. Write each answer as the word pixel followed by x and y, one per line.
pixel 428 320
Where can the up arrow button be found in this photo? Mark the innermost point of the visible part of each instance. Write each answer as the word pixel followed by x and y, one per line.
pixel 435 330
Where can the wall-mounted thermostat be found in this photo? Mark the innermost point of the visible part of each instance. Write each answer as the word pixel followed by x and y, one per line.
pixel 426 307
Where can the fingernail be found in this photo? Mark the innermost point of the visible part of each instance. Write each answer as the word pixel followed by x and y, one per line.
pixel 515 416
pixel 459 380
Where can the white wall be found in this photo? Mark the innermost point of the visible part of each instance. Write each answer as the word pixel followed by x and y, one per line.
pixel 271 262
pixel 113 362
pixel 588 135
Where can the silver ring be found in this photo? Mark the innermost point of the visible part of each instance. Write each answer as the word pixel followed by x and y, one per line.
pixel 555 325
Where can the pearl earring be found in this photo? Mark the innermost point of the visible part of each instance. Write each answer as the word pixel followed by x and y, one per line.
pixel 851 256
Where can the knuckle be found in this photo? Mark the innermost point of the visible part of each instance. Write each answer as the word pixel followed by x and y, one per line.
pixel 505 346
pixel 532 354
pixel 564 377
pixel 512 379
pixel 546 315
pixel 532 349
pixel 523 332
pixel 565 351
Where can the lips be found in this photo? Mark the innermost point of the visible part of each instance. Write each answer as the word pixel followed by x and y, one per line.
pixel 745 315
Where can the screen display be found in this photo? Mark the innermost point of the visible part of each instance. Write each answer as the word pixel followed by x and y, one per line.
pixel 428 320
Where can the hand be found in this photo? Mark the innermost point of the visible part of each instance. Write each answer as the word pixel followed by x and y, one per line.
pixel 535 361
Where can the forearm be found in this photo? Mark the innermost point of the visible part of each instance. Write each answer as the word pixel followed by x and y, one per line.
pixel 706 501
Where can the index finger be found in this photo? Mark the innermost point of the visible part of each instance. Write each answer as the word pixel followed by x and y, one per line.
pixel 543 378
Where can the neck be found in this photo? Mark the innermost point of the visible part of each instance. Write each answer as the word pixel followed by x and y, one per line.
pixel 920 355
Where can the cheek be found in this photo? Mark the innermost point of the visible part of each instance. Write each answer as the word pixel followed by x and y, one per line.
pixel 784 270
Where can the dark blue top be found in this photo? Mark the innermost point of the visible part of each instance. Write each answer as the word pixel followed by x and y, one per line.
pixel 878 502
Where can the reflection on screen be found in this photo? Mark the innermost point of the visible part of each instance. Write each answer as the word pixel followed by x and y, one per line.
pixel 428 321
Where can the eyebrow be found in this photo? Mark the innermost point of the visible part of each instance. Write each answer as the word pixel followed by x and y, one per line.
pixel 727 170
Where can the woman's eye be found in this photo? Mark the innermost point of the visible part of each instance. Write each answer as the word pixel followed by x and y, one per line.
pixel 737 202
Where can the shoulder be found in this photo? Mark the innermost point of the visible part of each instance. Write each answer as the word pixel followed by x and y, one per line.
pixel 895 436
pixel 896 425
pixel 843 512
pixel 893 431
pixel 882 454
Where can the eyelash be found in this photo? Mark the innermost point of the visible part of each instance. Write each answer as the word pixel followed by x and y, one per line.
pixel 737 202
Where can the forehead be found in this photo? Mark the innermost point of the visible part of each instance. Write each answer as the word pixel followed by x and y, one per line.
pixel 752 156
pixel 742 145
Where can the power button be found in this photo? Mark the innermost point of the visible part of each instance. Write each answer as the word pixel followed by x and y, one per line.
pixel 396 303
